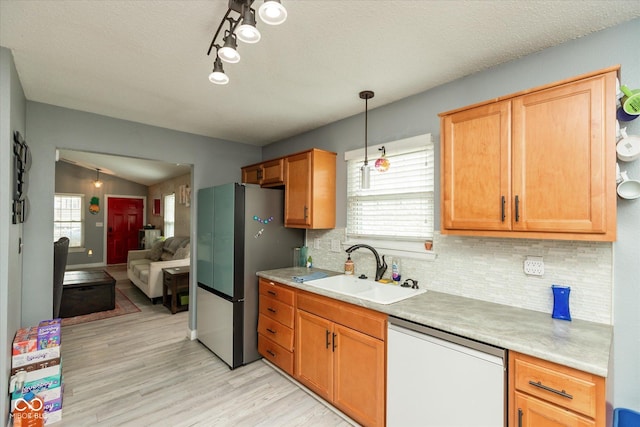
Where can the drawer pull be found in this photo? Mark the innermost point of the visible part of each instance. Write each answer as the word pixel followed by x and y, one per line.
pixel 272 293
pixel 271 353
pixel 272 310
pixel 271 330
pixel 519 417
pixel 552 390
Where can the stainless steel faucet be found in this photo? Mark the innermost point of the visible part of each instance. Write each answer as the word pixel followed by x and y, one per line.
pixel 381 266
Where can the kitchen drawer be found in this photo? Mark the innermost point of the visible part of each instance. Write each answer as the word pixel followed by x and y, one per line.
pixel 361 319
pixel 564 386
pixel 276 291
pixel 276 354
pixel 277 310
pixel 276 331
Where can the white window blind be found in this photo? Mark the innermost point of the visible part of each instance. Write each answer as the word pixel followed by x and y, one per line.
pixel 68 218
pixel 399 205
pixel 169 215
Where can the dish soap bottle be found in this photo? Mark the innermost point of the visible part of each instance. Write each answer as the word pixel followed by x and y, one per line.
pixel 395 271
pixel 309 262
pixel 349 267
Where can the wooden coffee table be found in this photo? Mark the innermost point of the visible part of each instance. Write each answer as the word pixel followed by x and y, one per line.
pixel 87 291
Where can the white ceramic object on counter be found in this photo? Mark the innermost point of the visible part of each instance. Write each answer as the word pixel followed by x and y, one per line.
pixel 628 188
pixel 628 148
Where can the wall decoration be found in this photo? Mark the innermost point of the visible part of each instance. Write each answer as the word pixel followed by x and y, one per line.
pixel 94 205
pixel 21 163
pixel 184 195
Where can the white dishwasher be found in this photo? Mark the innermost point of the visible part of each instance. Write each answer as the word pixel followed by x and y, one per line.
pixel 436 379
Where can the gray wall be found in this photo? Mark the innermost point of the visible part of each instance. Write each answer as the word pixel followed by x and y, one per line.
pixel 12 118
pixel 48 127
pixel 419 114
pixel 75 179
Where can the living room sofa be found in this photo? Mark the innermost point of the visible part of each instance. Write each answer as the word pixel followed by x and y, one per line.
pixel 144 267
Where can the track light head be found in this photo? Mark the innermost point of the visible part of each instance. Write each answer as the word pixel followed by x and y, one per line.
pixel 272 12
pixel 218 76
pixel 229 52
pixel 247 32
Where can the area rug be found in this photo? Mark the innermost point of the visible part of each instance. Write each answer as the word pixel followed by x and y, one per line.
pixel 123 306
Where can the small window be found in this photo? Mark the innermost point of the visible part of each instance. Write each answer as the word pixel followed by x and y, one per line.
pixel 169 215
pixel 398 207
pixel 68 218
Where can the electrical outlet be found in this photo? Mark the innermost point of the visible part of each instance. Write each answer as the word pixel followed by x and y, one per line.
pixel 316 243
pixel 534 266
pixel 335 245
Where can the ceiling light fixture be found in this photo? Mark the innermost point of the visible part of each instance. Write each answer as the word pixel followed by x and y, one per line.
pixel 365 170
pixel 97 183
pixel 272 12
pixel 242 28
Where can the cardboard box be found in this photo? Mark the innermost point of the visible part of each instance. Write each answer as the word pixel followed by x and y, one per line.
pixel 49 333
pixel 47 395
pixel 39 385
pixel 35 356
pixel 25 341
pixel 29 413
pixel 36 365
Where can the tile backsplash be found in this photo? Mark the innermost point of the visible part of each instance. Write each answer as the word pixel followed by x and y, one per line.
pixel 491 269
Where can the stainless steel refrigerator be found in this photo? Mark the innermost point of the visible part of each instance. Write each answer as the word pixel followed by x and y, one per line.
pixel 240 231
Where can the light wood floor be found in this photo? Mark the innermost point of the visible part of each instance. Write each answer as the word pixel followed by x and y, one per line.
pixel 141 370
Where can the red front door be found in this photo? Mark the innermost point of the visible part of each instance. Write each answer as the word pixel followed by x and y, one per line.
pixel 124 219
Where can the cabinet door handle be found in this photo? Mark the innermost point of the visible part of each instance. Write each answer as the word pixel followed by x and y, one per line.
pixel 503 208
pixel 271 353
pixel 272 310
pixel 552 390
pixel 306 212
pixel 517 208
pixel 334 342
pixel 272 293
pixel 271 331
pixel 327 339
pixel 519 417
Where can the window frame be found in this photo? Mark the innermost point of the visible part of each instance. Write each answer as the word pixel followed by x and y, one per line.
pixel 173 214
pixel 82 222
pixel 394 246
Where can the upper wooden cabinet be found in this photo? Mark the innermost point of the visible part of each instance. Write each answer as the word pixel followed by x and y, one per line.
pixel 310 190
pixel 266 174
pixel 538 164
pixel 309 180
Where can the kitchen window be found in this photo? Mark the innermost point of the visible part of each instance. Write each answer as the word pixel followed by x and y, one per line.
pixel 396 213
pixel 68 218
pixel 169 215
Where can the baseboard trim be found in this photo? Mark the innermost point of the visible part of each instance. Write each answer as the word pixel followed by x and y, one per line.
pixel 192 334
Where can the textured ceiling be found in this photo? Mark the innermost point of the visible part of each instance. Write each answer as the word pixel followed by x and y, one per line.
pixel 146 61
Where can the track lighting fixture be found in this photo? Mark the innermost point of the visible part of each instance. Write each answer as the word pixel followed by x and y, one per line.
pixel 242 28
pixel 365 170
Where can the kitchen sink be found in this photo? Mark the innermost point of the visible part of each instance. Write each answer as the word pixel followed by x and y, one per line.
pixel 365 289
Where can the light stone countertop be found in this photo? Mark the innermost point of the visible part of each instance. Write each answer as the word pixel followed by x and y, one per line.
pixel 578 344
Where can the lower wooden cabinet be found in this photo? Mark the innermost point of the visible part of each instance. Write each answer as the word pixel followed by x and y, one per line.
pixel 275 324
pixel 546 394
pixel 338 360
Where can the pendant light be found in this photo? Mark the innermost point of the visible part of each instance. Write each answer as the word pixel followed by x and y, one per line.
pixel 97 183
pixel 365 170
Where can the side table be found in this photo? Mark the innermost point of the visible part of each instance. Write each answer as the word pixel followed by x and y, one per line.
pixel 175 284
